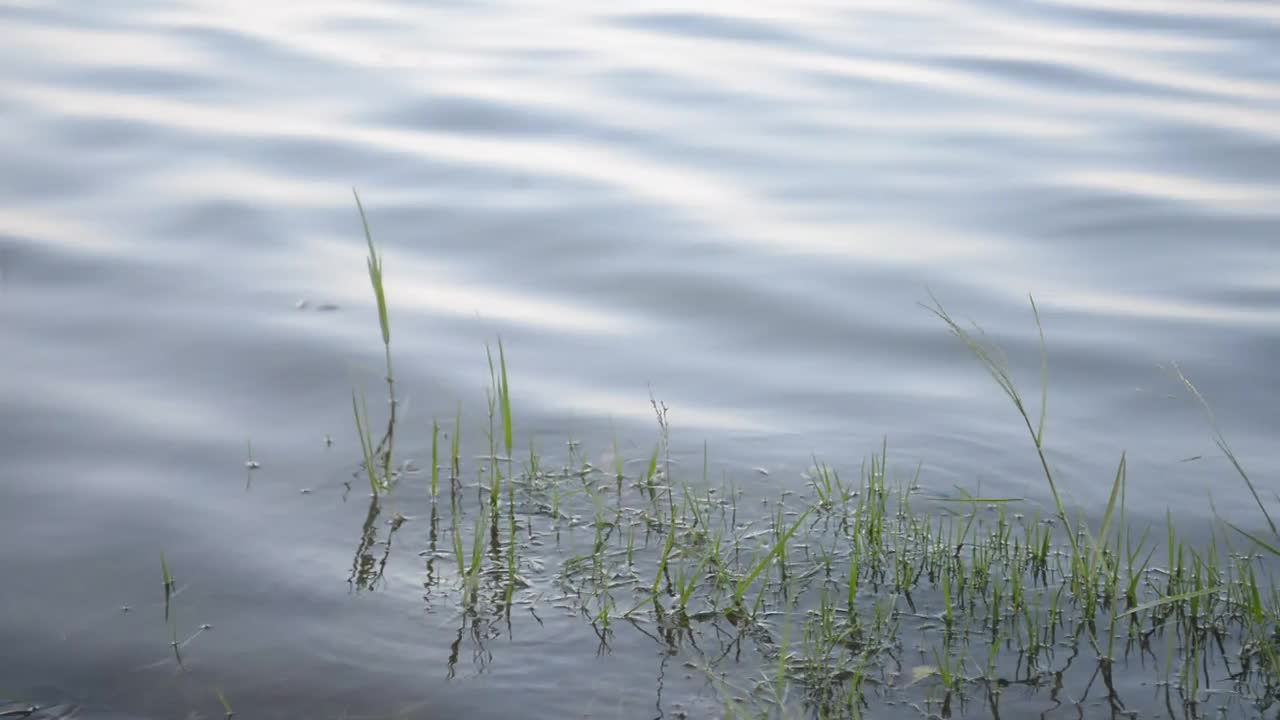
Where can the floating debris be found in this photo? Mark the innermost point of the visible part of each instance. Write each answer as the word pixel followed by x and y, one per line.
pixel 305 303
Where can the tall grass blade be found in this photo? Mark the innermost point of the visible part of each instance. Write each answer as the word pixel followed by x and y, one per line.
pixel 1257 540
pixel 999 371
pixel 435 457
pixel 504 394
pixel 1044 373
pixel 1221 442
pixel 374 263
pixel 1117 488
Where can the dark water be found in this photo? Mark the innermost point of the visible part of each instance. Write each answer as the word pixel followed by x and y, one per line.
pixel 736 206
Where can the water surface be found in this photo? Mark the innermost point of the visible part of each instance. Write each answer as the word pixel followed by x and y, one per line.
pixel 735 207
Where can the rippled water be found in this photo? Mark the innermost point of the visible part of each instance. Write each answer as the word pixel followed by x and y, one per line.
pixel 734 206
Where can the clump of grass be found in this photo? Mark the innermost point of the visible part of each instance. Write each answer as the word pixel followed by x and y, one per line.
pixel 470 567
pixel 969 595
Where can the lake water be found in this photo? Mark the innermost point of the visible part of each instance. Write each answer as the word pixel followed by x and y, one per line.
pixel 737 207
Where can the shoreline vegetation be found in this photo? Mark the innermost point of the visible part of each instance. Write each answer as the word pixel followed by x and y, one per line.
pixel 856 594
pixel 847 596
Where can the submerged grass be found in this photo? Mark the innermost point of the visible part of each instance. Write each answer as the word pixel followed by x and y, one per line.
pixel 854 595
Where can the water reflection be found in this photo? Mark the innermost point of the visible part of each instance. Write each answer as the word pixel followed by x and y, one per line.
pixel 367 566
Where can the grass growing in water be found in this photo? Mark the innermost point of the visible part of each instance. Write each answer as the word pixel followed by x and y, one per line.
pixel 383 451
pixel 854 595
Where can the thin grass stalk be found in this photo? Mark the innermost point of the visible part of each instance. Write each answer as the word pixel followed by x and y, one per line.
pixel 368 452
pixel 374 264
pixel 1004 379
pixel 1222 444
pixel 435 458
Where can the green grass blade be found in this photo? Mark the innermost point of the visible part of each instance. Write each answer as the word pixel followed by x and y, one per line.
pixel 1221 442
pixel 1174 599
pixel 456 449
pixel 1259 541
pixel 167 578
pixel 505 398
pixel 366 444
pixel 435 457
pixel 617 456
pixel 996 367
pixel 1044 373
pixel 374 262
pixel 744 583
pixel 1116 488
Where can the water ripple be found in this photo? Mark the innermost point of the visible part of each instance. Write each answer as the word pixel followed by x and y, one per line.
pixel 736 206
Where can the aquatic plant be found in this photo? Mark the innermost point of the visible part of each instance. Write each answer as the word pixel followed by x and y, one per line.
pixel 826 602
